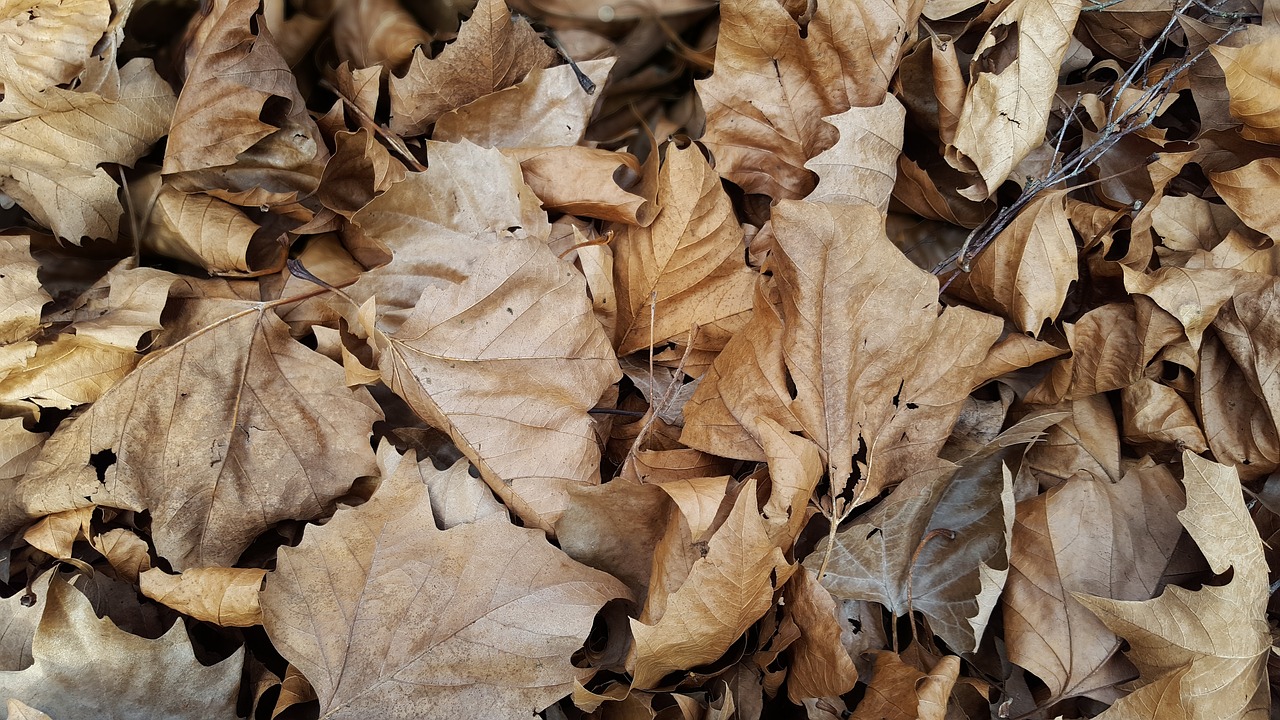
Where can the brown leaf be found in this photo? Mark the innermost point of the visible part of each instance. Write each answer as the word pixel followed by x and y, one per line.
pixel 493 51
pixel 1253 83
pixel 771 88
pixel 898 691
pixel 80 660
pixel 384 612
pixel 584 181
pixel 861 167
pixel 686 269
pixel 1208 647
pixel 1130 531
pixel 220 435
pixel 223 596
pixel 725 593
pixel 820 666
pixel 369 33
pixel 1013 76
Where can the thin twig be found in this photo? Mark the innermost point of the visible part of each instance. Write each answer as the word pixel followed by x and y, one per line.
pixel 393 140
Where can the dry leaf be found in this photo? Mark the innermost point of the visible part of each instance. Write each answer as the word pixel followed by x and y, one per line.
pixel 820 666
pixel 897 691
pixel 222 596
pixel 21 295
pixel 384 612
pixel 1209 647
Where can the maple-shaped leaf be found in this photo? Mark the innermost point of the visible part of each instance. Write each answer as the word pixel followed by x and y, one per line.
pixel 486 333
pixel 939 544
pixel 725 593
pixel 1131 532
pixel 51 161
pixel 857 355
pixel 773 85
pixel 241 128
pixel 1207 647
pixel 81 659
pixel 493 51
pixel 21 295
pixel 233 428
pixel 1013 76
pixel 863 164
pixel 685 269
pixel 385 612
pixel 548 109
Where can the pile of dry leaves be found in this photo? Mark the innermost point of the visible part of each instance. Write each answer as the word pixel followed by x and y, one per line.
pixel 870 359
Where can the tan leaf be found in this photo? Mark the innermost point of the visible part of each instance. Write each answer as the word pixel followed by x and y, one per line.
pixel 584 182
pixel 201 230
pixel 691 257
pixel 1156 413
pixel 936 545
pixel 369 33
pixel 1237 420
pixel 612 527
pixel 18 448
pixel 725 593
pixel 384 612
pixel 1209 646
pixel 56 534
pixel 1131 534
pixel 875 371
pixel 21 295
pixel 820 666
pixel 771 88
pixel 548 109
pixel 66 372
pixel 127 553
pixel 699 499
pixel 124 306
pixel 49 43
pixel 81 658
pixel 220 435
pixel 1013 76
pixel 19 711
pixel 493 52
pixel 1254 84
pixel 862 166
pixel 897 691
pixel 1026 272
pixel 1106 354
pixel 223 596
pixel 360 169
pixel 241 127
pixel 1249 191
pixel 1193 296
pixel 51 161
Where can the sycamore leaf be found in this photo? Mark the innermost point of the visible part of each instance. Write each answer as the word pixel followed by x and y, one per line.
pixel 1253 84
pixel 21 295
pixel 869 366
pixel 384 612
pixel 939 544
pixel 725 593
pixel 493 51
pixel 1013 77
pixel 241 127
pixel 80 660
pixel 897 691
pixel 51 160
pixel 225 432
pixel 1133 523
pixel 772 85
pixel 862 166
pixel 1208 647
pixel 222 596
pixel 548 109
pixel 690 257
pixel 584 181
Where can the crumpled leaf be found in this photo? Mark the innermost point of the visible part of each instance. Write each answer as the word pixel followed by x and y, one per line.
pixel 862 165
pixel 820 666
pixel 771 89
pixel 80 660
pixel 1046 630
pixel 492 52
pixel 938 545
pixel 1013 76
pixel 219 435
pixel 897 691
pixel 1253 83
pixel 384 612
pixel 726 591
pixel 690 257
pixel 51 161
pixel 1208 647
pixel 222 596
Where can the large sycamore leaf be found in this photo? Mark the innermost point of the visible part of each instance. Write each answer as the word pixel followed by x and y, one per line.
pixel 1207 648
pixel 725 593
pixel 241 127
pixel 688 267
pixel 485 332
pixel 386 613
pixel 82 663
pixel 1013 77
pixel 859 356
pixel 222 434
pixel 493 51
pixel 1131 531
pixel 772 87
pixel 938 545
pixel 51 161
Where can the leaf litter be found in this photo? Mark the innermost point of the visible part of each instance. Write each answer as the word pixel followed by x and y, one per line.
pixel 689 360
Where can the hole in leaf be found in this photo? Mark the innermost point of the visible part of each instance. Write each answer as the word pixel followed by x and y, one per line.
pixel 102 460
